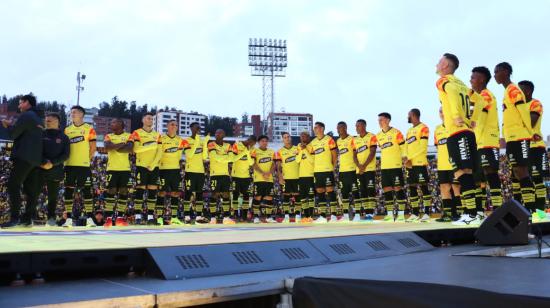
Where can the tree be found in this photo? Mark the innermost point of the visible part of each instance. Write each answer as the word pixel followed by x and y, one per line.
pixel 244 118
pixel 214 122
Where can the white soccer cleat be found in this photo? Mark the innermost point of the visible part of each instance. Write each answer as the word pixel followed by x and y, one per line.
pixel 213 221
pixel 90 222
pixel 464 220
pixel 400 216
pixel 68 223
pixel 425 218
pixel 345 218
pixel 412 218
pixel 356 218
pixel 333 219
pixel 228 221
pixel 389 217
pixel 270 220
pixel 298 218
pixel 286 220
pixel 257 220
pixel 320 220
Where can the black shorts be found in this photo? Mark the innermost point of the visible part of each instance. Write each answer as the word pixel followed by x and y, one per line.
pixel 242 185
pixel 194 182
pixel 323 179
pixel 518 153
pixel 306 186
pixel 291 186
pixel 77 176
pixel 170 180
pixel 220 183
pixel 538 159
pixel 489 158
pixel 262 189
pixel 462 150
pixel 347 181
pixel 392 177
pixel 145 177
pixel 118 179
pixel 417 175
pixel 446 177
pixel 366 182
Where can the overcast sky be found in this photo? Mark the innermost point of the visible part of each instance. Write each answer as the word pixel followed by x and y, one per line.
pixel 347 59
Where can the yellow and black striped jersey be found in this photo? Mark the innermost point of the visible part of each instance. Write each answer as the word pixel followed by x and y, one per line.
pixel 145 146
pixel 172 148
pixel 289 162
pixel 536 106
pixel 392 147
pixel 440 141
pixel 345 154
pixel 363 147
pixel 516 119
pixel 80 138
pixel 455 102
pixel 117 161
pixel 416 144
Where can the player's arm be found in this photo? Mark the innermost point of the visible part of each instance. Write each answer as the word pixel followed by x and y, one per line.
pixel 422 143
pixel 478 101
pixel 333 151
pixel 126 147
pixel 92 139
pixel 276 162
pixel 525 115
pixel 64 154
pixel 401 143
pixel 158 155
pixel 535 112
pixel 372 154
pixel 456 107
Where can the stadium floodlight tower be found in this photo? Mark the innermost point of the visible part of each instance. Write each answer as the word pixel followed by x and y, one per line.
pixel 267 58
pixel 79 88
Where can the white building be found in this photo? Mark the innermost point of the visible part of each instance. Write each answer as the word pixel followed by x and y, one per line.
pixel 89 116
pixel 292 123
pixel 183 119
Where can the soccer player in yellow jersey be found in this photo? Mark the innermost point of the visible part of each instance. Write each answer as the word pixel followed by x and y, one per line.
pixel 518 132
pixel 170 174
pixel 77 168
pixel 306 182
pixel 487 131
pixel 264 167
pixel 219 154
pixel 118 146
pixel 240 175
pixel 416 144
pixel 461 142
pixel 194 148
pixel 392 151
pixel 347 177
pixel 148 149
pixel 324 151
pixel 289 173
pixel 364 155
pixel 538 158
pixel 448 186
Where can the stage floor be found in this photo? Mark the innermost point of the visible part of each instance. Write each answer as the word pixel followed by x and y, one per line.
pixel 48 239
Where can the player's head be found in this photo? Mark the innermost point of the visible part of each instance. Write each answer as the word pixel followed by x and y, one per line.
pixel 172 127
pixel 262 141
pixel 220 134
pixel 447 64
pixel 414 115
pixel 77 114
pixel 117 126
pixel 503 71
pixel 441 113
pixel 147 119
pixel 305 137
pixel 319 129
pixel 342 128
pixel 480 77
pixel 384 120
pixel 287 141
pixel 195 128
pixel 250 141
pixel 52 120
pixel 26 102
pixel 527 87
pixel 361 127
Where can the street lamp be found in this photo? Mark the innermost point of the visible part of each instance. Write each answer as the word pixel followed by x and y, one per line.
pixel 79 80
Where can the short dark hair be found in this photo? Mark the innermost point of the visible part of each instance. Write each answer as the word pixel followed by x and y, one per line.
pixel 29 98
pixel 483 71
pixel 453 59
pixel 320 124
pixel 527 83
pixel 79 108
pixel 505 66
pixel 252 138
pixel 193 124
pixel 362 121
pixel 385 115
pixel 342 123
pixel 285 133
pixel 54 115
pixel 263 137
pixel 121 122
pixel 416 112
pixel 172 120
pixel 148 114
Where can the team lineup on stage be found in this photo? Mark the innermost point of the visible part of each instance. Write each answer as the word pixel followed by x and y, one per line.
pixel 318 180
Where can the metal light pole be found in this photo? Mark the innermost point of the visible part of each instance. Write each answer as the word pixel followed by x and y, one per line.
pixel 79 80
pixel 267 58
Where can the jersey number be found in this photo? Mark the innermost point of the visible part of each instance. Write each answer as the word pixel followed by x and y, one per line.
pixel 466 105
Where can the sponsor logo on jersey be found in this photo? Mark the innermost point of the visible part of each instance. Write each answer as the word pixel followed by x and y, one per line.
pixel 343 151
pixel 149 143
pixel 77 139
pixel 319 151
pixel 244 158
pixel 290 159
pixel 442 141
pixel 411 139
pixel 264 160
pixel 198 151
pixel 386 145
pixel 171 150
pixel 463 149
pixel 362 148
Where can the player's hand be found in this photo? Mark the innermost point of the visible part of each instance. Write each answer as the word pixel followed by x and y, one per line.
pixel 537 137
pixel 473 124
pixel 47 165
pixel 6 123
pixel 281 180
pixel 459 122
pixel 150 168
pixel 408 163
pixel 266 175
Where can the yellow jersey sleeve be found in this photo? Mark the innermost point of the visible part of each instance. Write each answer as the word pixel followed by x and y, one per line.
pixel 80 138
pixel 516 119
pixel 345 154
pixel 145 146
pixel 117 161
pixel 172 148
pixel 363 146
pixel 289 162
pixel 242 161
pixel 455 103
pixel 417 144
pixel 305 159
pixel 219 158
pixel 536 106
pixel 193 151
pixel 487 129
pixel 440 141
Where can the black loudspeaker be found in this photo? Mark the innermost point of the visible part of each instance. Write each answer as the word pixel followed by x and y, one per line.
pixel 509 225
